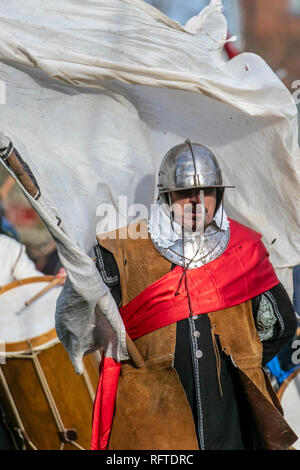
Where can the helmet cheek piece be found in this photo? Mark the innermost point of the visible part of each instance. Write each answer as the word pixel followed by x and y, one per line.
pixel 219 198
pixel 167 198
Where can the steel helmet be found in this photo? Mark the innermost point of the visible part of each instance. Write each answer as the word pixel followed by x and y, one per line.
pixel 187 166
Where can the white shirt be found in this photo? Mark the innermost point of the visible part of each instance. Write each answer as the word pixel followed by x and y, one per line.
pixel 14 262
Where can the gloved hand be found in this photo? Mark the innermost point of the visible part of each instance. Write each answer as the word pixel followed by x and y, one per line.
pixel 4 141
pixel 6 146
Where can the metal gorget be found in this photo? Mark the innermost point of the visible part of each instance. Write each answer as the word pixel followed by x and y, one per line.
pixel 212 245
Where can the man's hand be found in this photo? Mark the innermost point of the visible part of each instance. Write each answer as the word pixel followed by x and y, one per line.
pixel 4 141
pixel 6 146
pixel 61 275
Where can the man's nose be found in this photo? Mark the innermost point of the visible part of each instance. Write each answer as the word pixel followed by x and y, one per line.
pixel 195 198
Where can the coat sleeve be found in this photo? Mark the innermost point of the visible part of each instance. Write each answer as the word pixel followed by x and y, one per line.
pixel 275 320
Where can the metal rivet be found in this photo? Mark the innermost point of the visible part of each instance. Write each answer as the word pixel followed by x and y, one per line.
pixel 199 354
pixel 197 334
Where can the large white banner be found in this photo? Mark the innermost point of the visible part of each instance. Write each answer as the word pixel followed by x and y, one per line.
pixel 97 92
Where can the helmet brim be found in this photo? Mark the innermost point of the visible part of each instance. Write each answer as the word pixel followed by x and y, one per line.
pixel 168 190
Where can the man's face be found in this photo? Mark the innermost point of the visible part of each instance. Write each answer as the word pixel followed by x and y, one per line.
pixel 186 206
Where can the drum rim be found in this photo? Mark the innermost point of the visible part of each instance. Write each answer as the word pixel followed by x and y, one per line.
pixel 285 384
pixel 36 341
pixel 26 280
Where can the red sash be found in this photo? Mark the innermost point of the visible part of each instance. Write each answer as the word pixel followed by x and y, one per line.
pixel 242 272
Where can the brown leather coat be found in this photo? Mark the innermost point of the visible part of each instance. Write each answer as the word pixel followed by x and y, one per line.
pixel 152 411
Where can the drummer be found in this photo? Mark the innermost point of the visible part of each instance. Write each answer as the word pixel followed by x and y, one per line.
pixel 15 262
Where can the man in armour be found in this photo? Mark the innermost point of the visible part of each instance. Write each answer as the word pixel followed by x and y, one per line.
pixel 204 313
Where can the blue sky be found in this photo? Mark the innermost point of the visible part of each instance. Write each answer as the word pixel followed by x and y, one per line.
pixel 182 10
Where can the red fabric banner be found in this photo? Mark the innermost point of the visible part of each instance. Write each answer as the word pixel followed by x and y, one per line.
pixel 242 272
pixel 104 404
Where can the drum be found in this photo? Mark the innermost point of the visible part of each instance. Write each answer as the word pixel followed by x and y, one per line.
pixel 289 396
pixel 45 401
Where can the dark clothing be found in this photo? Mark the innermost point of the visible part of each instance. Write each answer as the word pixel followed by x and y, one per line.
pixel 52 265
pixel 296 282
pixel 286 352
pixel 222 418
pixel 226 421
pixel 286 325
